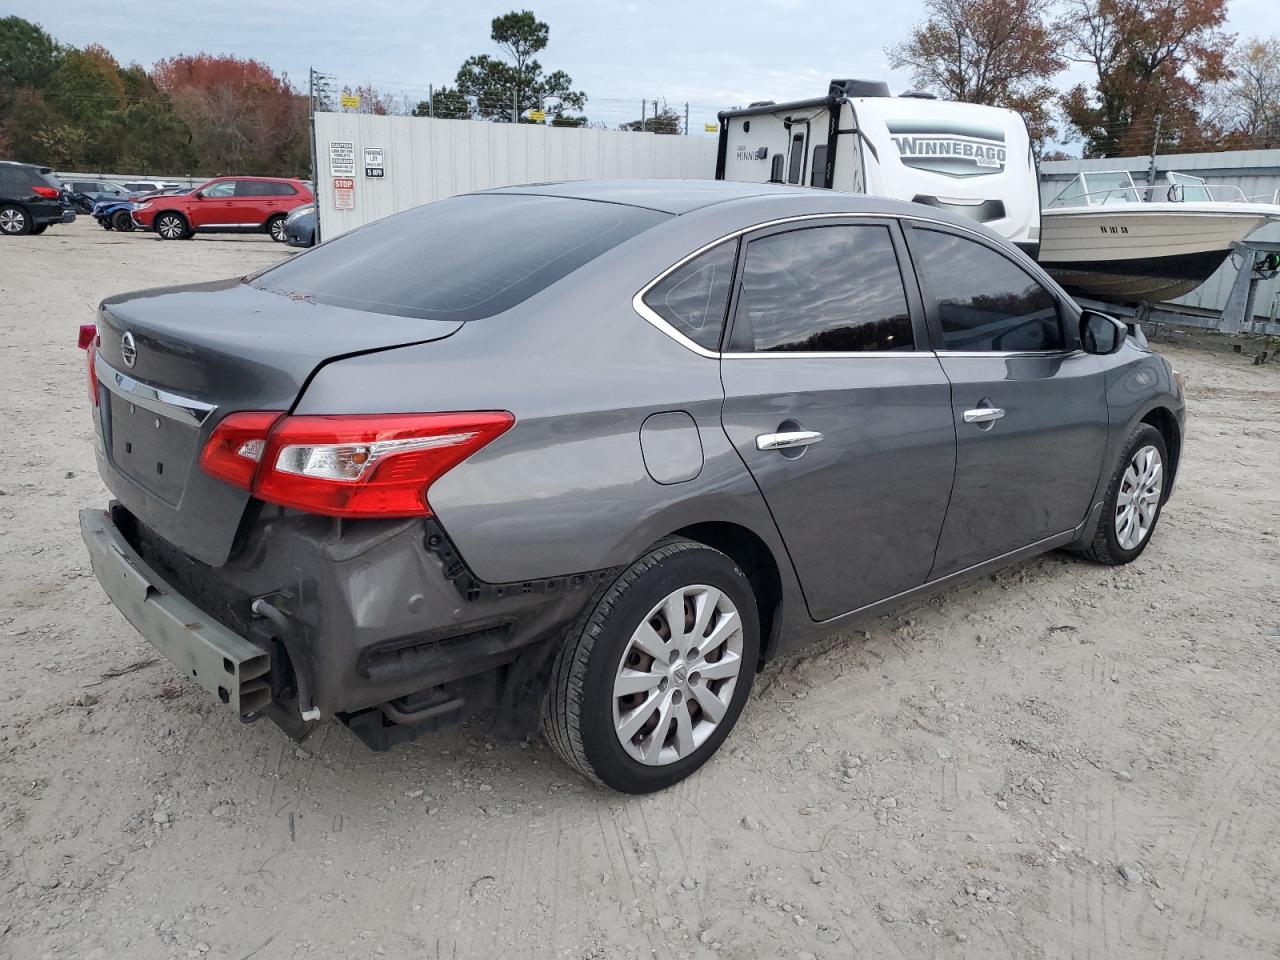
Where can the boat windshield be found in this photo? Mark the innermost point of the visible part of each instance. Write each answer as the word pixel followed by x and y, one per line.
pixel 1099 189
pixel 1190 189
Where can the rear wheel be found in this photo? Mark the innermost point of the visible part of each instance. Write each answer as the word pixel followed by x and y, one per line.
pixel 171 226
pixel 1135 494
pixel 654 676
pixel 275 227
pixel 14 221
pixel 120 220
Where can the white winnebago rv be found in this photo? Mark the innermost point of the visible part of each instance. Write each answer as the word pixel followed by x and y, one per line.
pixel 970 160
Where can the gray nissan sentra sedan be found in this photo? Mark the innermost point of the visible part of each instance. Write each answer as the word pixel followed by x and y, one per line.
pixel 591 452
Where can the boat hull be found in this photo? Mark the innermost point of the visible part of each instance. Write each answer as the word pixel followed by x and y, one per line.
pixel 1143 252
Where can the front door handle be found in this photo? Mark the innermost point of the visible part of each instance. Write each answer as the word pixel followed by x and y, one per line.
pixel 785 441
pixel 983 415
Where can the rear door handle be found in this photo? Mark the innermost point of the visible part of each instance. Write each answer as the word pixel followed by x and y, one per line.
pixel 785 441
pixel 983 415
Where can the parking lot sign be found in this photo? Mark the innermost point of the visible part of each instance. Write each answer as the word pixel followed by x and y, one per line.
pixel 374 163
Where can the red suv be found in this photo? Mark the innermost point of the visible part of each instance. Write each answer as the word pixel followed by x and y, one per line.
pixel 225 205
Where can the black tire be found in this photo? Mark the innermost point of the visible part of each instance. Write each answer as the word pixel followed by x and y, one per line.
pixel 39 229
pixel 275 228
pixel 1105 546
pixel 171 226
pixel 577 715
pixel 14 221
pixel 120 220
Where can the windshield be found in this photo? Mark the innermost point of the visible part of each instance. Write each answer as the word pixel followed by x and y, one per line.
pixel 1100 189
pixel 459 259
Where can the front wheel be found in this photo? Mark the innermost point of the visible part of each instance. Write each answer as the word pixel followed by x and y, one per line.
pixel 1135 494
pixel 171 226
pixel 275 227
pixel 654 676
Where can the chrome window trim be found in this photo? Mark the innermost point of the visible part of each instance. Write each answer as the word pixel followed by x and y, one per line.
pixel 975 354
pixel 171 405
pixel 645 311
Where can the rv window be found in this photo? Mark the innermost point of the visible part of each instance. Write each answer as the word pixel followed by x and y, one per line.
pixel 818 178
pixel 985 301
pixel 694 297
pixel 823 289
pixel 797 158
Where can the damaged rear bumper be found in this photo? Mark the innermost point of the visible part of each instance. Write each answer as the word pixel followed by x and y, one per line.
pixel 226 665
pixel 378 624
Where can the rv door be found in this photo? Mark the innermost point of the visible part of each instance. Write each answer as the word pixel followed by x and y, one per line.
pixel 798 152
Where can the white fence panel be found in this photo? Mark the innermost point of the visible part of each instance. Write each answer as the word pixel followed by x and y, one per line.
pixel 426 159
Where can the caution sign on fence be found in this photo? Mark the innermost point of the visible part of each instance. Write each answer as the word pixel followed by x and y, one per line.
pixel 342 158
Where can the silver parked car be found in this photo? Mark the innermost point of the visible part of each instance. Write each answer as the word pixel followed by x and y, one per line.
pixel 589 452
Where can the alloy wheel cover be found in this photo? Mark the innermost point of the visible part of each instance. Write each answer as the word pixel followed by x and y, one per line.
pixel 676 678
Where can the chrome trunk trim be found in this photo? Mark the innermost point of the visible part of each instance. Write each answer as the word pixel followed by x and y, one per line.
pixel 171 405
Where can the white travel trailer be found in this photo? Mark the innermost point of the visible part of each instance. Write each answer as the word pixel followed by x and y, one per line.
pixel 971 160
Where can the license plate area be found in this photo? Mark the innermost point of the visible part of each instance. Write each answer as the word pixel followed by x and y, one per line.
pixel 151 449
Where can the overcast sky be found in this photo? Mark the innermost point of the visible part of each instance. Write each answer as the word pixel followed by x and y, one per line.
pixel 711 53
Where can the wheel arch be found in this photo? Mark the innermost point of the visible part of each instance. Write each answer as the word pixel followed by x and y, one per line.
pixel 753 555
pixel 1164 420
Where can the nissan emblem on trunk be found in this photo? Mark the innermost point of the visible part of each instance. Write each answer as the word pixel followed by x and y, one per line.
pixel 128 352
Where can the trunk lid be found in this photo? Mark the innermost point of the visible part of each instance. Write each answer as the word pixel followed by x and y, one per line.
pixel 173 362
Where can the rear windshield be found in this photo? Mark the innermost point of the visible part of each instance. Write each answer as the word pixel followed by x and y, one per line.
pixel 459 259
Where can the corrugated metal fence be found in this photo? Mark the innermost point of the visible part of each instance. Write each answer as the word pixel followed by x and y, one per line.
pixel 425 159
pixel 1255 172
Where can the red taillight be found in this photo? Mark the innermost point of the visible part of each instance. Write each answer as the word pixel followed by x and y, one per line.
pixel 88 341
pixel 49 193
pixel 235 449
pixel 347 466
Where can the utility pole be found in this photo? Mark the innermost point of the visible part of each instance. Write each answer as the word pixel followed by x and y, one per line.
pixel 515 105
pixel 644 104
pixel 1155 145
pixel 317 92
pixel 686 118
pixel 431 100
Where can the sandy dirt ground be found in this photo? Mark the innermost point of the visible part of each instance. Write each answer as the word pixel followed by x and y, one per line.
pixel 1058 761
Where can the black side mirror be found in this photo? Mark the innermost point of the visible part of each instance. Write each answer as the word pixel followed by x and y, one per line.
pixel 1100 333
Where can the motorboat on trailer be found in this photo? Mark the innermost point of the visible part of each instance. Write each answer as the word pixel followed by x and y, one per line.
pixel 1105 237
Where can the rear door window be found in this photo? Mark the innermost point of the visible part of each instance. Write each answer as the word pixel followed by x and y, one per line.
pixel 460 259
pixel 985 302
pixel 832 289
pixel 693 298
pixel 254 188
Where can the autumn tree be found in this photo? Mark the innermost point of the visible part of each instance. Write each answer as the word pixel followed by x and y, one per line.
pixel 1002 53
pixel 1246 105
pixel 243 118
pixel 507 87
pixel 1148 57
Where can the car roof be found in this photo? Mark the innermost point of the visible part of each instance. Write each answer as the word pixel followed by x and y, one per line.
pixel 679 197
pixel 241 176
pixel 667 196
